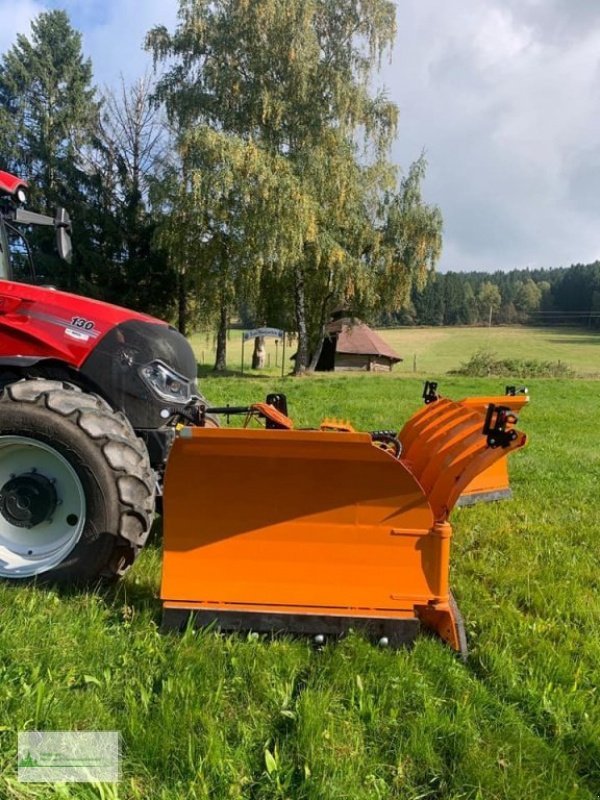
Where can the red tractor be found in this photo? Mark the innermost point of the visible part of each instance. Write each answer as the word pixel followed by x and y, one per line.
pixel 90 394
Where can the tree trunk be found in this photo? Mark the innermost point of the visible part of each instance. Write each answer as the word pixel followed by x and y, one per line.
pixel 317 354
pixel 325 314
pixel 221 358
pixel 300 303
pixel 258 355
pixel 182 315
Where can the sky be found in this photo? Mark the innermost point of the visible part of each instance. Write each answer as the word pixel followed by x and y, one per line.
pixel 502 95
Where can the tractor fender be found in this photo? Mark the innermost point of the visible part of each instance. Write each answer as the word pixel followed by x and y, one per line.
pixel 21 362
pixel 15 368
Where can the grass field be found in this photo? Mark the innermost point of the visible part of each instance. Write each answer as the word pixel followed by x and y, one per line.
pixel 439 350
pixel 204 716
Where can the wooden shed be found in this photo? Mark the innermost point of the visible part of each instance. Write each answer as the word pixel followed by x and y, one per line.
pixel 352 345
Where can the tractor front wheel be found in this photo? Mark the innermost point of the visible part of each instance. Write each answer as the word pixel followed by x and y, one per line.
pixel 76 487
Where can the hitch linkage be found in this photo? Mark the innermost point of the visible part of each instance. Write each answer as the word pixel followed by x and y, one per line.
pixel 430 394
pixel 278 401
pixel 511 391
pixel 498 426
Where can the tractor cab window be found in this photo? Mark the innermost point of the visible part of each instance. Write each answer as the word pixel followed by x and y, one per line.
pixel 19 256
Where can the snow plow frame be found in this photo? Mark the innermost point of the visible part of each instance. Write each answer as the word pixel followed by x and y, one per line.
pixel 319 532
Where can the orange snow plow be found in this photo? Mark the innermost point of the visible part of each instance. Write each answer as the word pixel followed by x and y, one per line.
pixel 492 483
pixel 320 531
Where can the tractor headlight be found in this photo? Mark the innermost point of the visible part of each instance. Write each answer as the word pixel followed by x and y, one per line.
pixel 166 383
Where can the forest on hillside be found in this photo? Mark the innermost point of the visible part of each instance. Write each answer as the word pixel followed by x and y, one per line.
pixel 560 296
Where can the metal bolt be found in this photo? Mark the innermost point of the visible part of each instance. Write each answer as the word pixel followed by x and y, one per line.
pixel 383 642
pixel 319 639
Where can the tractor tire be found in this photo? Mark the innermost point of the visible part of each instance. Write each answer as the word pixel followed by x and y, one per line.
pixel 76 487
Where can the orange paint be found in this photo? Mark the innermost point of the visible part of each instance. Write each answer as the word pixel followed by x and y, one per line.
pixel 321 522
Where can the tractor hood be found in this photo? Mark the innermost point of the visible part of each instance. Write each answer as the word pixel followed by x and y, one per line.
pixel 41 322
pixel 140 364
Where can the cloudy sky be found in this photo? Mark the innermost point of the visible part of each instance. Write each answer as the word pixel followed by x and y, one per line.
pixel 503 95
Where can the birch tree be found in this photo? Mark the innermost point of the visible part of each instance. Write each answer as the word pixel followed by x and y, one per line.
pixel 294 79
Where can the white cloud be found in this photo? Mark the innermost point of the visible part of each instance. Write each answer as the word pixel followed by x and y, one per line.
pixel 116 44
pixel 16 18
pixel 503 97
pixel 113 33
pixel 497 38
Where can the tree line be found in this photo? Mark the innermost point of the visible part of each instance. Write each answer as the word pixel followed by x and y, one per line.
pixel 541 296
pixel 250 174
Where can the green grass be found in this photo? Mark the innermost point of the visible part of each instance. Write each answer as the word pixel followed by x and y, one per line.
pixel 205 716
pixel 439 350
pixel 442 349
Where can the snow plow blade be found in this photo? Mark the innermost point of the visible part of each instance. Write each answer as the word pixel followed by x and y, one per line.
pixel 421 429
pixel 493 483
pixel 318 532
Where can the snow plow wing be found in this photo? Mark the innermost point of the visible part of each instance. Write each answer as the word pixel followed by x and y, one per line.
pixel 317 532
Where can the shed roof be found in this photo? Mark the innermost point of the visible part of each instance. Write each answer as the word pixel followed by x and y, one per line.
pixel 354 336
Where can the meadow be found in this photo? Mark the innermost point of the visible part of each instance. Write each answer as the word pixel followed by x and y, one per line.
pixel 427 351
pixel 207 716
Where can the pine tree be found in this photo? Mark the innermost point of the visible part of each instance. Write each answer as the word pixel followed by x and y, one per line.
pixel 48 120
pixel 48 106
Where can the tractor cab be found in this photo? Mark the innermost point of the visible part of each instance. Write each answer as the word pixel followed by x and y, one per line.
pixel 16 263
